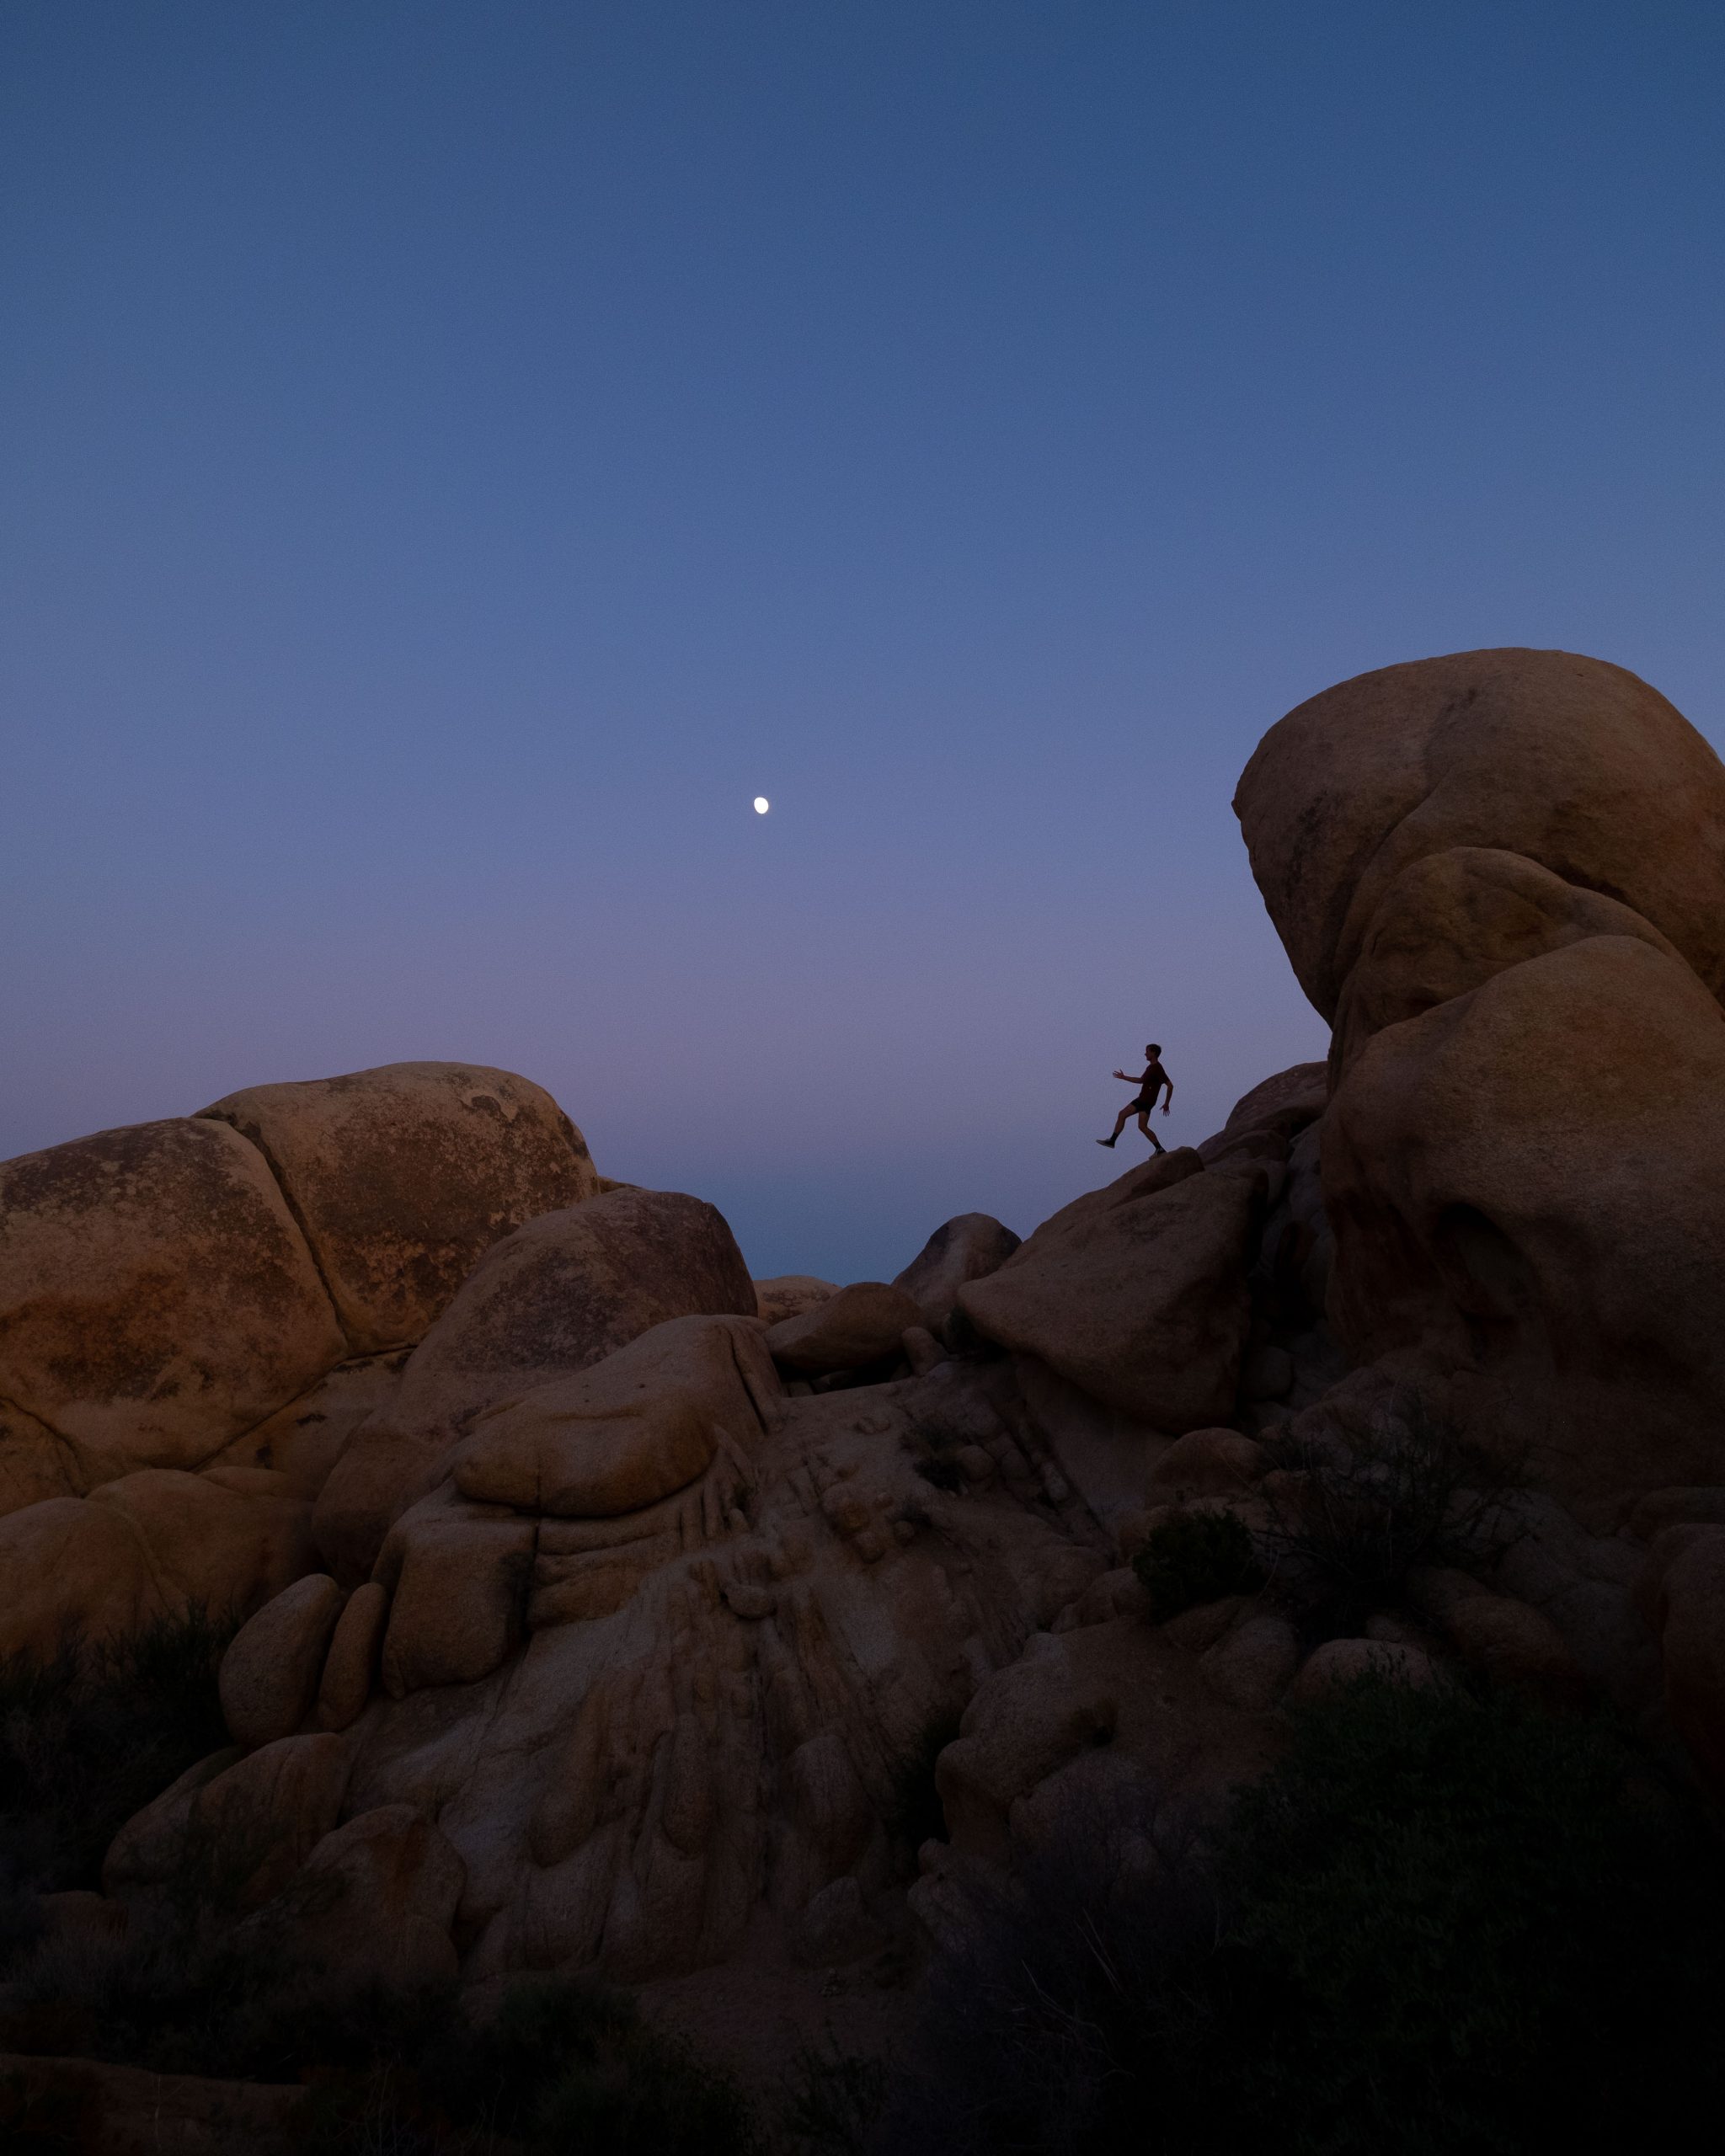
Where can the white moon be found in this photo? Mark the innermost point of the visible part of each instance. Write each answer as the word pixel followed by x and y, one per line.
pixel 762 804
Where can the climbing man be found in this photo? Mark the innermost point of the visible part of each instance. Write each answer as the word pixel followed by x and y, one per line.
pixel 1149 1085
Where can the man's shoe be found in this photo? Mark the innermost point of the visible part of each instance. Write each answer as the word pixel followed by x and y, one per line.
pixel 1104 1141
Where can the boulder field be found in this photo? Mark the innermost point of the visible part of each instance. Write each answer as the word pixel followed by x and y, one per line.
pixel 601 1608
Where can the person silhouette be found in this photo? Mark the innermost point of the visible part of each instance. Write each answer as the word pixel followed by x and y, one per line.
pixel 1155 1078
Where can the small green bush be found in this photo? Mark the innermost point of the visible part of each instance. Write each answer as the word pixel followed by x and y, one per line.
pixel 1195 1557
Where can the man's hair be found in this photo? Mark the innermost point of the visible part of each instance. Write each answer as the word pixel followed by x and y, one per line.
pixel 1155 1048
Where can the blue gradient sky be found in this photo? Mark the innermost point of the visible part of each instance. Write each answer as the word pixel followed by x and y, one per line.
pixel 455 455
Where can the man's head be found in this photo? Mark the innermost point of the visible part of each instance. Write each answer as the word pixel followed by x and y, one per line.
pixel 1152 1047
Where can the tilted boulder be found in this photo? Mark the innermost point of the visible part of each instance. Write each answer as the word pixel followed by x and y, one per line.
pixel 969 1247
pixel 404 1176
pixel 270 1674
pixel 302 1442
pixel 1136 1294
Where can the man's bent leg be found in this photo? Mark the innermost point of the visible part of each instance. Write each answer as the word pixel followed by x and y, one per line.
pixel 1120 1121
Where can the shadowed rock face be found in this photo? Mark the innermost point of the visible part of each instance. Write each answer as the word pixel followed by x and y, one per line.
pixel 1136 1294
pixel 1503 874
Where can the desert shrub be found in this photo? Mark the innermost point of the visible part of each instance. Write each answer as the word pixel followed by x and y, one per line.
pixel 1366 1510
pixel 1194 1557
pixel 1052 2014
pixel 90 1733
pixel 565 2065
pixel 1440 1925
pixel 833 2099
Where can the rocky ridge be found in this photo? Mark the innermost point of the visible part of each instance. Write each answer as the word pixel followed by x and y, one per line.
pixel 606 1610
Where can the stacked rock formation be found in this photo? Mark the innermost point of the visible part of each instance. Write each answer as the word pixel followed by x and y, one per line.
pixel 607 1609
pixel 195 1314
pixel 1502 876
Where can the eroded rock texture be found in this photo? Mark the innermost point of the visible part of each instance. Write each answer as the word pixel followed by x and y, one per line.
pixel 1501 874
pixel 197 1314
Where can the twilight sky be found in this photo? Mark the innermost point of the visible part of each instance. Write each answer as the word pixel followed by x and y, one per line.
pixel 455 455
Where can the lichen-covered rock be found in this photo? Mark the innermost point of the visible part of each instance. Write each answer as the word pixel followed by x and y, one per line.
pixel 404 1176
pixel 788 1294
pixel 157 1297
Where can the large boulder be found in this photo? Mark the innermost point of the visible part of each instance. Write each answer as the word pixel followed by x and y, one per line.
pixel 1527 1184
pixel 1577 765
pixel 403 1177
pixel 156 1299
pixel 557 1296
pixel 1452 920
pixel 969 1247
pixel 1136 1294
